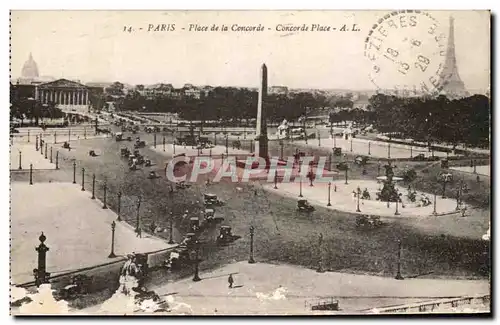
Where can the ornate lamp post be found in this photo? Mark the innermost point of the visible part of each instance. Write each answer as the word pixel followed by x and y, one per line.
pixel 389 150
pixel 119 206
pixel 227 144
pixel 251 259
pixel 196 261
pixel 83 179
pixel 300 179
pixel 74 172
pixel 20 165
pixel 411 151
pixel 36 142
pixel 45 150
pixel 319 140
pixel 275 179
pixel 397 203
pixel 31 174
pixel 329 204
pixel 93 187
pixel 105 206
pixel 398 275
pixel 57 159
pixel 112 254
pixel 163 143
pixel 369 147
pixel 434 212
pixel 346 169
pixel 55 137
pixel 358 194
pixel 40 273
pixel 171 229
pixel 138 217
pixel 351 143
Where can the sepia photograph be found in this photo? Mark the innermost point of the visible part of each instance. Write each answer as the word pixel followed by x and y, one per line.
pixel 216 163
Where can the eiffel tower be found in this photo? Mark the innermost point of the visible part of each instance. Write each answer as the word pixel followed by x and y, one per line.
pixel 453 86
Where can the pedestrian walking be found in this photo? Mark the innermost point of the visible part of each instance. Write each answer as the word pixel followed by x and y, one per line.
pixel 230 280
pixel 139 232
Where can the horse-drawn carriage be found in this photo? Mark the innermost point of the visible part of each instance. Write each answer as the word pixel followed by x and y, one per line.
pixel 226 236
pixel 304 206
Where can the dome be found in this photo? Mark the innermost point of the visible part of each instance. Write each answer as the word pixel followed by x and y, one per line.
pixel 30 68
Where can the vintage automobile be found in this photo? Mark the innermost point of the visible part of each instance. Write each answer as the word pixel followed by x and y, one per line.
pixel 119 136
pixel 419 157
pixel 152 175
pixel 212 199
pixel 342 166
pixel 194 224
pixel 188 240
pixel 361 160
pixel 337 151
pixel 367 221
pixel 92 153
pixel 226 236
pixel 125 152
pixel 304 206
pixel 139 144
pixel 182 185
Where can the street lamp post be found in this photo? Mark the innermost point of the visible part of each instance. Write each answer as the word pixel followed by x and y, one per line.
pixel 20 163
pixel 275 179
pixel 389 151
pixel 300 179
pixel 51 155
pixel 319 140
pixel 196 276
pixel 329 194
pixel 41 147
pixel 105 206
pixel 55 137
pixel 351 144
pixel 118 212
pixel 434 212
pixel 171 229
pixel 112 254
pixel 346 169
pixel 28 136
pixel 40 273
pixel 83 179
pixel 45 150
pixel 358 194
pixel 138 217
pixel 74 172
pixel 36 142
pixel 398 275
pixel 93 187
pixel 369 148
pixel 163 143
pixel 154 140
pixel 251 259
pixel 397 204
pixel 31 174
pixel 57 159
pixel 411 151
pixel 227 148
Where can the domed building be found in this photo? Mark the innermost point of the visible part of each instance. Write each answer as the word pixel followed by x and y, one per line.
pixel 30 69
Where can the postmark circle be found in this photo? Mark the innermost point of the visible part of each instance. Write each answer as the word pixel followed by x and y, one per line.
pixel 407 50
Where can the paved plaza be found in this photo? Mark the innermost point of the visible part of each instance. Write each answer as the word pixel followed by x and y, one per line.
pixel 78 230
pixel 285 289
pixel 372 148
pixel 343 199
pixel 481 170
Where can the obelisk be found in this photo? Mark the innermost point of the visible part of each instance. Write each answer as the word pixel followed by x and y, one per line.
pixel 261 149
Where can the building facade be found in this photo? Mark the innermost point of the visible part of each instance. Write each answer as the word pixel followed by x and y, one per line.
pixel 65 94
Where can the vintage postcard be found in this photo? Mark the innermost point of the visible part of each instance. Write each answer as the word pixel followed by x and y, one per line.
pixel 250 162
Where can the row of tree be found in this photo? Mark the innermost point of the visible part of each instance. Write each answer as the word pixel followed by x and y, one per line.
pixel 465 120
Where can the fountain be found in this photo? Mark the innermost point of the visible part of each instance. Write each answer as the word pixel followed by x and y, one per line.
pixel 389 192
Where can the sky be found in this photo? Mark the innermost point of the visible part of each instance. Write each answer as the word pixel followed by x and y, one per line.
pixel 93 46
